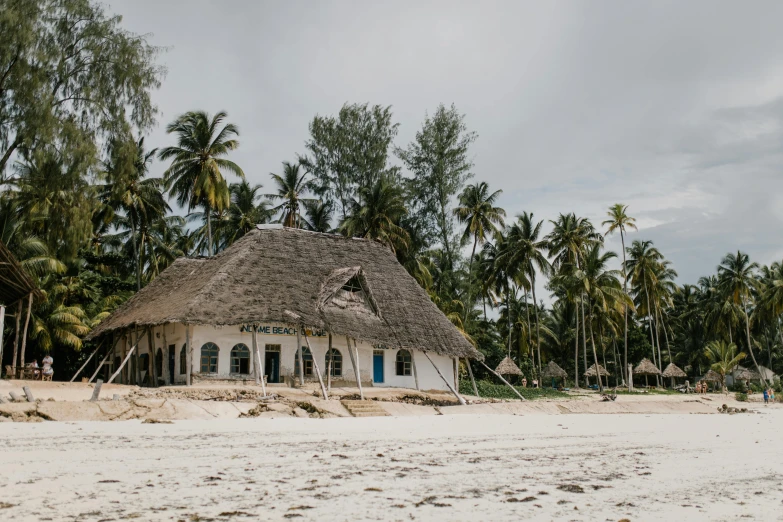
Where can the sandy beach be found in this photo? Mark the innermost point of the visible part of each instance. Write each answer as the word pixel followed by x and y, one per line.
pixel 444 467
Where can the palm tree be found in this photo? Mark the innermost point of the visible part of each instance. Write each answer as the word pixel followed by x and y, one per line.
pixel 377 213
pixel 477 212
pixel 567 242
pixel 525 252
pixel 290 188
pixel 620 221
pixel 244 213
pixel 318 216
pixel 724 358
pixel 642 267
pixel 195 176
pixel 737 279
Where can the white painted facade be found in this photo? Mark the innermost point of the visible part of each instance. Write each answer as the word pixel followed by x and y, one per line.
pixel 226 337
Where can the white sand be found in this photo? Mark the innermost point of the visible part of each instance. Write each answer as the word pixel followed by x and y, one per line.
pixel 453 467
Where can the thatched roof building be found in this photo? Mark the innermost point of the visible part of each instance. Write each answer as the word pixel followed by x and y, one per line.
pixel 553 371
pixel 673 371
pixel 744 374
pixel 291 276
pixel 601 370
pixel 646 368
pixel 508 367
pixel 712 376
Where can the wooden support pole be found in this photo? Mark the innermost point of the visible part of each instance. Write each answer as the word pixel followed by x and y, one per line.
pixel 85 362
pixel 128 356
pixel 358 370
pixel 153 351
pixel 26 325
pixel 472 380
pixel 166 368
pixel 2 328
pixel 355 367
pixel 413 367
pixel 14 397
pixel 456 373
pixel 259 364
pixel 448 384
pixel 19 307
pixel 301 355
pixel 188 355
pixel 28 394
pixel 96 392
pixel 254 358
pixel 315 365
pixel 502 379
pixel 136 357
pixel 98 369
pixel 329 364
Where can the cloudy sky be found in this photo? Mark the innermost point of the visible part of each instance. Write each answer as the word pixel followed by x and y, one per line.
pixel 674 108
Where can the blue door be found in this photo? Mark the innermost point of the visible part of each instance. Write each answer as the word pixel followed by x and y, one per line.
pixel 377 366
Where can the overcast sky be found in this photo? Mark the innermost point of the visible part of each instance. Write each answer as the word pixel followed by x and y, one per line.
pixel 674 108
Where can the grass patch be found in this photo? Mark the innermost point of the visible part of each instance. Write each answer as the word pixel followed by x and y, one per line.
pixel 649 391
pixel 501 391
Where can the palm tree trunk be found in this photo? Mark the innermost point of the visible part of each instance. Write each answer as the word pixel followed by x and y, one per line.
pixel 538 328
pixel 625 313
pixel 649 316
pixel 209 231
pixel 529 329
pixel 750 346
pixel 665 336
pixel 584 336
pixel 26 328
pixel 614 357
pixel 469 304
pixel 508 313
pixel 576 350
pixel 19 310
pixel 595 356
pixel 135 251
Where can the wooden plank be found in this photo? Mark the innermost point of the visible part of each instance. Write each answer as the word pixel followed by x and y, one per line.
pixel 28 394
pixel 472 379
pixel 96 392
pixel 448 384
pixel 85 362
pixel 502 379
pixel 315 365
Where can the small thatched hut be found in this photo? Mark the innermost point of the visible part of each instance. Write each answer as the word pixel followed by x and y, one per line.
pixel 601 372
pixel 744 374
pixel 646 368
pixel 554 372
pixel 673 372
pixel 291 305
pixel 508 367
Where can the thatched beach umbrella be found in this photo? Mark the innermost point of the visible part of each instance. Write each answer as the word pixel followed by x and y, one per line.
pixel 646 368
pixel 744 374
pixel 601 372
pixel 553 371
pixel 674 372
pixel 508 367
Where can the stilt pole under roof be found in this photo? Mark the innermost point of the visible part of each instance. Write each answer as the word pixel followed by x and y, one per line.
pixel 26 326
pixel 188 355
pixel 457 395
pixel 301 355
pixel 472 380
pixel 456 373
pixel 100 365
pixel 315 365
pixel 2 325
pixel 259 364
pixel 19 308
pixel 413 367
pixel 502 379
pixel 355 365
pixel 329 364
pixel 153 351
pixel 165 363
pixel 100 345
pixel 136 357
pixel 127 356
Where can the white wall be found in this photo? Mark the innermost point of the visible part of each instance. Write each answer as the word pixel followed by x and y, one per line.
pixel 227 336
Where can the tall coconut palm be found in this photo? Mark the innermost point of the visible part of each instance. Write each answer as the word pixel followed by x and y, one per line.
pixel 620 221
pixel 377 213
pixel 525 252
pixel 195 176
pixel 481 218
pixel 567 242
pixel 290 189
pixel 642 267
pixel 246 210
pixel 737 279
pixel 319 216
pixel 724 358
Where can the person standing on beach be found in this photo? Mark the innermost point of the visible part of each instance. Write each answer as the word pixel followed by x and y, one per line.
pixel 766 397
pixel 47 367
pixel 771 395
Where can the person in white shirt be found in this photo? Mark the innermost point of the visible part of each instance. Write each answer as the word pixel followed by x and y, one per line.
pixel 47 367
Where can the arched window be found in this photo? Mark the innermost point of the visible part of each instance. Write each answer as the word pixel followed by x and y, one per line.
pixel 183 360
pixel 403 362
pixel 308 362
pixel 334 357
pixel 240 359
pixel 159 362
pixel 209 358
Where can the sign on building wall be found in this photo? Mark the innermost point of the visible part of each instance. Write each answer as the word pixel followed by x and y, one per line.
pixel 281 330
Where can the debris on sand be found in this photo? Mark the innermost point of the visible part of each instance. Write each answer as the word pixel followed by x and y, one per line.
pixel 571 488
pixel 731 411
pixel 156 421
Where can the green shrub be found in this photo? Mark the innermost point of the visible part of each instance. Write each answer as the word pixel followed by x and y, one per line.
pixel 501 391
pixel 741 397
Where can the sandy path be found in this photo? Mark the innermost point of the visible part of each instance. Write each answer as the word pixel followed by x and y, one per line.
pixel 466 467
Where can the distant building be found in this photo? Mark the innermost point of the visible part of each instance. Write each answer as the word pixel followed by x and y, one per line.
pixel 287 285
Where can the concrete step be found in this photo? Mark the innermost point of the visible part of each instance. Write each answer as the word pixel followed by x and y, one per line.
pixel 364 408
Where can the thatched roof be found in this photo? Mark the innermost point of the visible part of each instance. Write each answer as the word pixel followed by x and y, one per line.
pixel 744 374
pixel 508 367
pixel 646 368
pixel 673 371
pixel 15 284
pixel 283 275
pixel 591 371
pixel 712 376
pixel 553 371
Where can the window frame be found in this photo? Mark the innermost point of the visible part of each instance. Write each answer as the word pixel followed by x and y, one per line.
pixel 209 361
pixel 338 360
pixel 236 348
pixel 403 365
pixel 307 357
